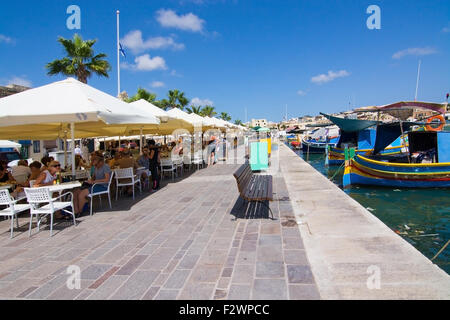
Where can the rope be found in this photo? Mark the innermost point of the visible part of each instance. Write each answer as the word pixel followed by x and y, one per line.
pixel 337 171
pixel 440 251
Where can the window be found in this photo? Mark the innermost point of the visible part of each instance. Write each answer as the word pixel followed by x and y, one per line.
pixel 36 146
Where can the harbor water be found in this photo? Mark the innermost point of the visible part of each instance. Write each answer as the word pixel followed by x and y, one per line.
pixel 420 216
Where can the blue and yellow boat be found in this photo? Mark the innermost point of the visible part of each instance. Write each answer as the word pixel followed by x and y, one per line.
pixel 358 134
pixel 425 165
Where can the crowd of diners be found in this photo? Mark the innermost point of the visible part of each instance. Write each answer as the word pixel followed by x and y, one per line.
pixel 45 172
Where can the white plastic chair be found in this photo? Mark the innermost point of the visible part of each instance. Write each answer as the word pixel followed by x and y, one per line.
pixel 100 193
pixel 13 208
pixel 133 180
pixel 140 172
pixel 198 160
pixel 42 204
pixel 178 163
pixel 167 165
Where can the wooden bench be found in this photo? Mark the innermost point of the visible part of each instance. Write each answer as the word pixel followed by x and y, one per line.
pixel 254 188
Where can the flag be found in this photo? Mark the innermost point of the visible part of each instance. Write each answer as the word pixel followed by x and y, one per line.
pixel 121 50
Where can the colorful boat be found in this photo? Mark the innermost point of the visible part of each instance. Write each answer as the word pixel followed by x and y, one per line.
pixel 426 165
pixel 359 134
pixel 320 140
pixel 336 156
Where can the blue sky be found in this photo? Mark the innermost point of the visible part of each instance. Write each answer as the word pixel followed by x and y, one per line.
pixel 261 55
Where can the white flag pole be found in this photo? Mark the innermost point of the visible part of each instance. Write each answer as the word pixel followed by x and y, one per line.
pixel 118 53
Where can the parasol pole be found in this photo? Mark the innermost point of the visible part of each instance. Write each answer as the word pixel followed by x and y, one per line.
pixel 140 143
pixel 72 135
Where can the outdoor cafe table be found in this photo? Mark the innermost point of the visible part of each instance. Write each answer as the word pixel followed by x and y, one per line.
pixel 6 186
pixel 64 186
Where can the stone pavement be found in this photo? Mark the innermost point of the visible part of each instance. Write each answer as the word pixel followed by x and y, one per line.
pixel 179 243
pixel 349 249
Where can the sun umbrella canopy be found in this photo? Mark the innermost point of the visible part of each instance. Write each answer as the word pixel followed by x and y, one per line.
pixel 43 110
pixel 194 119
pixel 4 144
pixel 169 122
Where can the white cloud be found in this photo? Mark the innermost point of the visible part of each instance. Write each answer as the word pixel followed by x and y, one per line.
pixel 157 84
pixel 187 22
pixel 301 93
pixel 201 102
pixel 134 41
pixel 146 63
pixel 330 76
pixel 414 52
pixel 21 81
pixel 5 39
pixel 446 29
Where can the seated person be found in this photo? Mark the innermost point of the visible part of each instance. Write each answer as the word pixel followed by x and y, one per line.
pixel 127 160
pixel 48 176
pixel 144 162
pixel 100 178
pixel 21 172
pixel 5 176
pixel 178 149
pixel 35 168
pixel 115 160
pixel 45 161
pixel 165 153
pixel 80 164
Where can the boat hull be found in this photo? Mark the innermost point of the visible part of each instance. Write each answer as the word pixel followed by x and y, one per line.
pixel 315 147
pixel 364 171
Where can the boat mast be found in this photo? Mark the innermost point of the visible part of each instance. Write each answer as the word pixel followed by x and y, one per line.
pixel 417 82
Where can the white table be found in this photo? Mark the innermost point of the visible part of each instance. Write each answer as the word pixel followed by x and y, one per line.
pixel 6 186
pixel 64 186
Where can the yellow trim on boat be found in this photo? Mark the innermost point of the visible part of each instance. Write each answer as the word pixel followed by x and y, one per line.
pixel 392 164
pixel 402 173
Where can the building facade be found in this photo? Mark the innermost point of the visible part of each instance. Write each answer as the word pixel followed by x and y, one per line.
pixel 259 123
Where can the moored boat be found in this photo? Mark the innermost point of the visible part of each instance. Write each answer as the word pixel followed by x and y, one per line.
pixel 425 165
pixel 358 134
pixel 320 139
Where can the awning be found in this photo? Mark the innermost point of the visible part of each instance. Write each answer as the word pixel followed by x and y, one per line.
pixel 350 125
pixel 388 133
pixel 404 109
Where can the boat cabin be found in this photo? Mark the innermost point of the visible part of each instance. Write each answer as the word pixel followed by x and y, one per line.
pixel 364 139
pixel 429 146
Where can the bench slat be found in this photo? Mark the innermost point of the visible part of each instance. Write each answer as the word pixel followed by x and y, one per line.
pixel 253 187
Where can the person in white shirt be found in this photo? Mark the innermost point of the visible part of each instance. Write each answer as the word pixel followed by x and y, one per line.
pixel 21 172
pixel 77 150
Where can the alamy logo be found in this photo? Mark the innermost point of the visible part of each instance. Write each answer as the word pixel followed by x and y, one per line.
pixel 74 280
pixel 74 20
pixel 374 280
pixel 374 21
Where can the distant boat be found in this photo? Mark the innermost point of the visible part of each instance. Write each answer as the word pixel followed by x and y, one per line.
pixel 320 140
pixel 425 165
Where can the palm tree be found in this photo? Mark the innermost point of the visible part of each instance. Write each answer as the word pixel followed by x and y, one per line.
pixel 195 110
pixel 176 99
pixel 238 122
pixel 208 111
pixel 143 94
pixel 80 60
pixel 225 116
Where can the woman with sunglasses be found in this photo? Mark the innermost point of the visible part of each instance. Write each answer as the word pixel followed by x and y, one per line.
pixel 47 176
